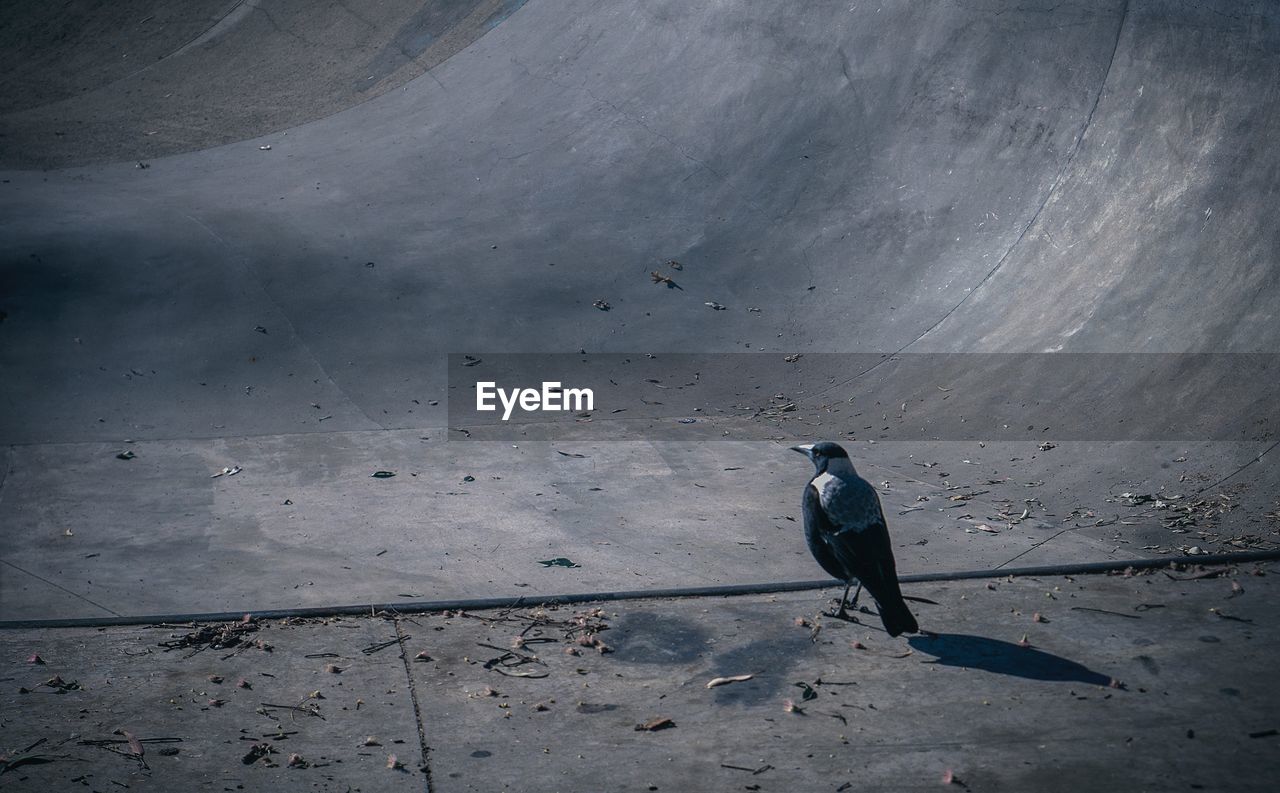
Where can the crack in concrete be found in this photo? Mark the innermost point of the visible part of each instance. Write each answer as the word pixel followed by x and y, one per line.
pixel 1053 187
pixel 57 586
pixel 425 764
pixel 1234 473
pixel 1049 194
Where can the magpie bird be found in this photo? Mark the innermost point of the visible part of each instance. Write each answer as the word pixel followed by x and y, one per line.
pixel 845 529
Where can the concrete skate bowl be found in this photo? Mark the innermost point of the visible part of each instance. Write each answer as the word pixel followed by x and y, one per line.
pixel 254 244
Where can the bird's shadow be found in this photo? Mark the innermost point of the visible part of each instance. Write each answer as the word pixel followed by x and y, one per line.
pixel 1003 658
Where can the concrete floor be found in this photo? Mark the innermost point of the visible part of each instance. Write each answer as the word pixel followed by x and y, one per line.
pixel 1025 252
pixel 515 700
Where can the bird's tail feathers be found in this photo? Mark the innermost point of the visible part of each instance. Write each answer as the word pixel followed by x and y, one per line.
pixel 895 615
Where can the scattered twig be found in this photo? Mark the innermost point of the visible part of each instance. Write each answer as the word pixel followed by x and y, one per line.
pixel 1106 611
pixel 310 710
pixel 373 648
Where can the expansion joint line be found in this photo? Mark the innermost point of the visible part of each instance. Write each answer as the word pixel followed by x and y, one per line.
pixel 56 585
pixel 425 764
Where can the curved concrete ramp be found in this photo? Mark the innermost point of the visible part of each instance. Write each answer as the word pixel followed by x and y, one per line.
pixel 835 177
pixel 145 78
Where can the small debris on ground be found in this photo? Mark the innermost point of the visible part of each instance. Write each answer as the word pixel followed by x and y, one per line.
pixel 559 561
pixel 653 725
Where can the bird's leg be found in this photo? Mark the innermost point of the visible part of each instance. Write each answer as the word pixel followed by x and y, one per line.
pixel 842 614
pixel 854 603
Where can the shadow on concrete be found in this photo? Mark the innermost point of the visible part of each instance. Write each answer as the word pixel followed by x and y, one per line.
pixel 657 639
pixel 769 659
pixel 1004 658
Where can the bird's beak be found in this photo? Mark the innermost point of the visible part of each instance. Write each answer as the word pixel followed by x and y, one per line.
pixel 804 448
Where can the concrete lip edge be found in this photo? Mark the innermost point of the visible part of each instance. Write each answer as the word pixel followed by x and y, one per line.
pixel 478 604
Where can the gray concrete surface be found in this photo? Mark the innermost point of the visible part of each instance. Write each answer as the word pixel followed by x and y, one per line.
pixel 305 525
pixel 503 705
pixel 1072 177
pixel 86 82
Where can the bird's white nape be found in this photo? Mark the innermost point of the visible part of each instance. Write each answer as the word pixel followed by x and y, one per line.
pixel 821 481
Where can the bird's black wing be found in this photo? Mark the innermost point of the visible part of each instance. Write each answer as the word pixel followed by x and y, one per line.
pixel 861 545
pixel 819 533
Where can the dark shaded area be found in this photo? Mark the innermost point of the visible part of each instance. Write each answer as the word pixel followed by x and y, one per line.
pixel 1004 658
pixel 769 660
pixel 656 639
pixel 88 82
pixel 55 51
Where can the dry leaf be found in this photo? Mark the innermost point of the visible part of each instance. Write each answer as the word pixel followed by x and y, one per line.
pixel 653 725
pixel 135 746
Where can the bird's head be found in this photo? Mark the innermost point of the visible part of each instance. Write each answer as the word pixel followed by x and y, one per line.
pixel 824 455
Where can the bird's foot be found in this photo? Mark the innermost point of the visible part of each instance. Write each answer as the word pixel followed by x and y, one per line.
pixel 842 615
